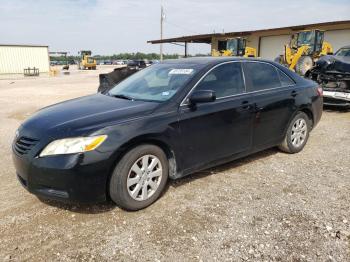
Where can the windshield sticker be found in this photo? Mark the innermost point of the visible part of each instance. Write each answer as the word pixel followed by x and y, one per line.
pixel 180 71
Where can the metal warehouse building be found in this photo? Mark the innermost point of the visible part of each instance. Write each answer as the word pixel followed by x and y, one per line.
pixel 15 58
pixel 269 43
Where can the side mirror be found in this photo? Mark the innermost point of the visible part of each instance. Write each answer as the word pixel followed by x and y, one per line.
pixel 202 96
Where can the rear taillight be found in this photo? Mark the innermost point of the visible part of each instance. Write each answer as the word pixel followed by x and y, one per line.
pixel 319 91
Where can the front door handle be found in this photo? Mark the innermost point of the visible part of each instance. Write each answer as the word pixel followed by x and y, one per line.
pixel 294 93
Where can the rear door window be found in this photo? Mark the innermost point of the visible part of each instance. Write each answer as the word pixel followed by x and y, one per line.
pixel 224 80
pixel 261 76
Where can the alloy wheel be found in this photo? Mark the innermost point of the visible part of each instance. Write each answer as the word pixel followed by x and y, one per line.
pixel 144 177
pixel 299 132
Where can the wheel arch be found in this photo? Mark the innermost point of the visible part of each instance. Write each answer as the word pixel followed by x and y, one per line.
pixel 148 139
pixel 309 113
pixel 305 110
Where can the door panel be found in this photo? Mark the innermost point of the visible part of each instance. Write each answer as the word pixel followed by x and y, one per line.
pixel 215 130
pixel 273 111
pixel 274 97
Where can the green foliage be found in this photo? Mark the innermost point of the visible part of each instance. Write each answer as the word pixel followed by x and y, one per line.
pixel 124 56
pixel 138 55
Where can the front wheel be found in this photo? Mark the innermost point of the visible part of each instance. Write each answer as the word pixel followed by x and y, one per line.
pixel 304 64
pixel 297 134
pixel 139 178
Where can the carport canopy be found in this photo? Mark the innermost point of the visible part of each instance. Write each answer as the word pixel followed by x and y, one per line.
pixel 270 41
pixel 199 39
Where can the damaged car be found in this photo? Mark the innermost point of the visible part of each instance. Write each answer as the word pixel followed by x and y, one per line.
pixel 109 80
pixel 332 72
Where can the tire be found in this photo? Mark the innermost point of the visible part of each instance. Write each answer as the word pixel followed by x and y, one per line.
pixel 130 184
pixel 304 64
pixel 290 144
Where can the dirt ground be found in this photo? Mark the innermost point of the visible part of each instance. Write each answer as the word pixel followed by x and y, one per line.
pixel 267 207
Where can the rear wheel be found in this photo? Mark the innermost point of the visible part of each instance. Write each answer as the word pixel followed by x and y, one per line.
pixel 297 134
pixel 304 64
pixel 139 178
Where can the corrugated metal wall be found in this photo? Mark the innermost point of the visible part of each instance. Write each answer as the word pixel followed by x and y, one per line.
pixel 13 59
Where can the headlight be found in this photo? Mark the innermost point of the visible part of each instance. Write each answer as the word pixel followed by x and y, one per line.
pixel 72 145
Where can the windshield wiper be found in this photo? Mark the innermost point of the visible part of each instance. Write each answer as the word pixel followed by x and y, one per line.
pixel 122 96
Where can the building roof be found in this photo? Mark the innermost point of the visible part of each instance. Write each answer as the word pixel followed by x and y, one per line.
pixel 20 45
pixel 206 38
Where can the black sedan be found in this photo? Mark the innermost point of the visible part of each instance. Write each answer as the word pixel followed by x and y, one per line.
pixel 166 121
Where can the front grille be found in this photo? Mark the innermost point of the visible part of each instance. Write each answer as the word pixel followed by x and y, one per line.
pixel 24 144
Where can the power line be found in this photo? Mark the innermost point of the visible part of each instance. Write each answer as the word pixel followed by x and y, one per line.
pixel 183 28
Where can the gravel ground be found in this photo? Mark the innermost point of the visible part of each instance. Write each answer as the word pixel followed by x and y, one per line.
pixel 267 207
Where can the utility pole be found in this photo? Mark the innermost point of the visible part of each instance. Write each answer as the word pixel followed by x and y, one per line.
pixel 162 16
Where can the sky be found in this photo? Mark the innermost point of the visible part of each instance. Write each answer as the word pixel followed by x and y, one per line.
pixel 114 26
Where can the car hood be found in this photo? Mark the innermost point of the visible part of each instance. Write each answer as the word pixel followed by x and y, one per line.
pixel 333 63
pixel 83 115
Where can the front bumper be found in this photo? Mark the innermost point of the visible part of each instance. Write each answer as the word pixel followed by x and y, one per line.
pixel 336 98
pixel 73 178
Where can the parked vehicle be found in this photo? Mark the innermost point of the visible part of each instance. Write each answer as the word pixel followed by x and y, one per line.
pixel 109 80
pixel 166 121
pixel 86 60
pixel 236 46
pixel 136 64
pixel 304 49
pixel 333 74
pixel 118 62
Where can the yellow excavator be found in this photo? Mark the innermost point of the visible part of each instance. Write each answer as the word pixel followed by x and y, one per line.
pixel 303 51
pixel 234 47
pixel 86 61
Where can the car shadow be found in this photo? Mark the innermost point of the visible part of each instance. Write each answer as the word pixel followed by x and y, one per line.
pixel 81 208
pixel 109 205
pixel 336 109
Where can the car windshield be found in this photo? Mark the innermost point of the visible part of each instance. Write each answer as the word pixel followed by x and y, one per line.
pixel 232 45
pixel 305 38
pixel 156 83
pixel 343 52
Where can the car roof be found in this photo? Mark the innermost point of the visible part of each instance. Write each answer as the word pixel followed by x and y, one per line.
pixel 347 46
pixel 207 60
pixel 203 62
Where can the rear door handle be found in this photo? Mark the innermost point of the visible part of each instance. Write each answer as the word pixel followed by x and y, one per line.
pixel 294 93
pixel 246 105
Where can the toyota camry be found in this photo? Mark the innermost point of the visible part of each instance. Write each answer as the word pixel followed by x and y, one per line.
pixel 164 122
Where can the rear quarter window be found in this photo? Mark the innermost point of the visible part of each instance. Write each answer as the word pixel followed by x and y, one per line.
pixel 261 76
pixel 285 80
